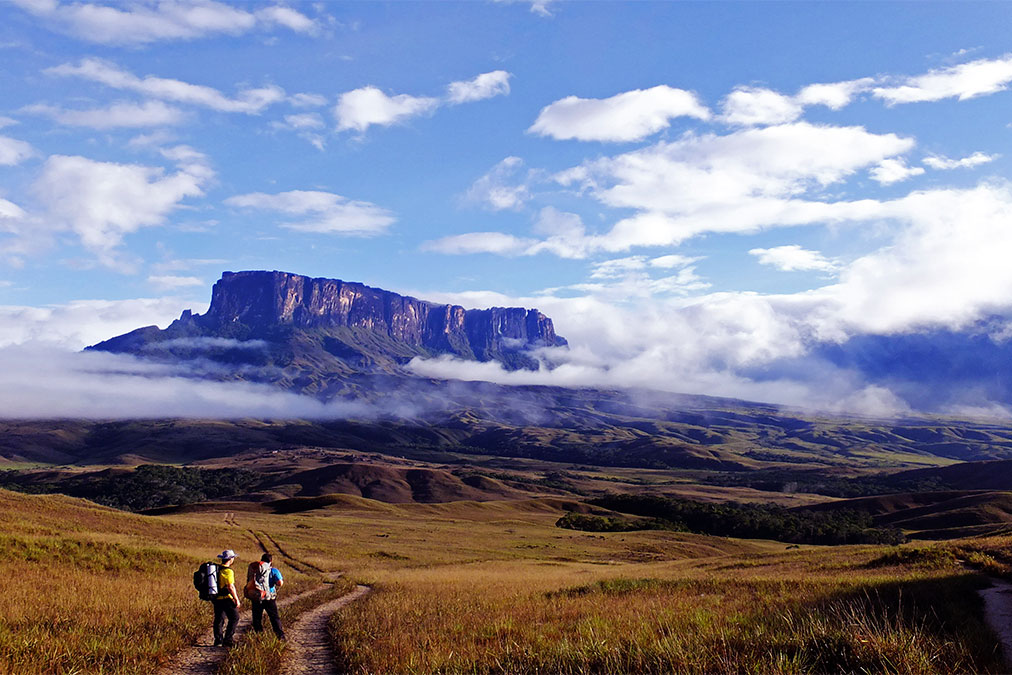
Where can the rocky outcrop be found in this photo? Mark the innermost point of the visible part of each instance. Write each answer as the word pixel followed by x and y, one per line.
pixel 355 323
pixel 261 299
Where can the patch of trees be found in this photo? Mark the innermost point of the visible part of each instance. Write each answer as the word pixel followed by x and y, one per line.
pixel 799 481
pixel 146 487
pixel 591 523
pixel 751 521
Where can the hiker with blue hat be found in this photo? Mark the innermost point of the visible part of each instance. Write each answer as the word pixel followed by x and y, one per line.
pixel 226 603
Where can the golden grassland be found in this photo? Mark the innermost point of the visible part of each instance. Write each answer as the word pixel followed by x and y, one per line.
pixel 489 587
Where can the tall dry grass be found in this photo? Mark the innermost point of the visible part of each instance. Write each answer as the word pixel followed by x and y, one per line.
pixel 93 590
pixel 523 618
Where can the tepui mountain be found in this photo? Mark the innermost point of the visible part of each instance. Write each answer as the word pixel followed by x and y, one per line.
pixel 310 334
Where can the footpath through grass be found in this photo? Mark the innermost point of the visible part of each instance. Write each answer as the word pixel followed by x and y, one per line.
pixel 264 654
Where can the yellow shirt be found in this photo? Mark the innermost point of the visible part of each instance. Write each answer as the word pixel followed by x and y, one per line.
pixel 225 577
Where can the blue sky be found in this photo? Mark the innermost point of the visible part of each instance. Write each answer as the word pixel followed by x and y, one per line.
pixel 739 181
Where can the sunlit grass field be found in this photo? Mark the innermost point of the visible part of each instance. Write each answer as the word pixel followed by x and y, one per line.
pixel 490 587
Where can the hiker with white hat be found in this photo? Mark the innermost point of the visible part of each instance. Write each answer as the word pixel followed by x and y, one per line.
pixel 226 603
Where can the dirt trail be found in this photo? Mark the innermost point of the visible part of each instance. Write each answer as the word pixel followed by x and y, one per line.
pixel 309 642
pixel 203 658
pixel 998 610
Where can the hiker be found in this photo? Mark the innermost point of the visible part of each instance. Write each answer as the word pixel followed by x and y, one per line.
pixel 262 584
pixel 226 603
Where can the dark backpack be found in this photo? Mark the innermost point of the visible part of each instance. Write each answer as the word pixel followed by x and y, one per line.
pixel 205 580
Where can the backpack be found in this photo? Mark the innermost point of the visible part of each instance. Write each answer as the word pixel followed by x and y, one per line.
pixel 257 581
pixel 205 580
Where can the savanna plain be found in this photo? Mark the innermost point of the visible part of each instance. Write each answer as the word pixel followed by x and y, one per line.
pixel 489 587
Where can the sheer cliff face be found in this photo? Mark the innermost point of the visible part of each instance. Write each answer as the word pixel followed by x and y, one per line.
pixel 266 299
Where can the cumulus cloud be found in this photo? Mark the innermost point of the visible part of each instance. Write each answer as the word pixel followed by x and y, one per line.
pixel 324 212
pixel 101 202
pixel 964 81
pixel 833 95
pixel 117 115
pixel 13 151
pixel 748 106
pixel 629 116
pixel 75 325
pixel 891 171
pixel 505 186
pixel 759 106
pixel 249 101
pixel 944 163
pixel 361 108
pixel 792 258
pixel 486 85
pixel 143 23
pixel 943 268
pixel 738 182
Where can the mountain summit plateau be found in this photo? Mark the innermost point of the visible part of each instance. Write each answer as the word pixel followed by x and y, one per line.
pixel 299 331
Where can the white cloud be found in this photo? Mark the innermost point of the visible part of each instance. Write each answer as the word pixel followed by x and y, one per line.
pixel 361 108
pixel 248 101
pixel 505 186
pixel 13 151
pixel 305 121
pixel 325 212
pixel 7 122
pixel 306 125
pixel 169 282
pixel 758 106
pixel 629 116
pixel 833 95
pixel 116 115
pixel 478 242
pixel 947 267
pixel 78 324
pixel 101 202
pixel 967 80
pixel 40 382
pixel 943 163
pixel 749 106
pixel 10 210
pixel 140 23
pixel 617 267
pixel 486 85
pixel 307 100
pixel 738 182
pixel 673 260
pixel 792 258
pixel 289 18
pixel 891 171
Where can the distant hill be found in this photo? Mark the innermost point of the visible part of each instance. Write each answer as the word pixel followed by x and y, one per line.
pixel 934 515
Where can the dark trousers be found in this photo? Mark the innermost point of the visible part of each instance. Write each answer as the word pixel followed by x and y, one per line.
pixel 225 609
pixel 271 607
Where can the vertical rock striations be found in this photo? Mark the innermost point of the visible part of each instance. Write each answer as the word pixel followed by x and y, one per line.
pixel 356 323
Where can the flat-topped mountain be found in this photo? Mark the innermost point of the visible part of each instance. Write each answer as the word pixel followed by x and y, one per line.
pixel 306 333
pixel 267 299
